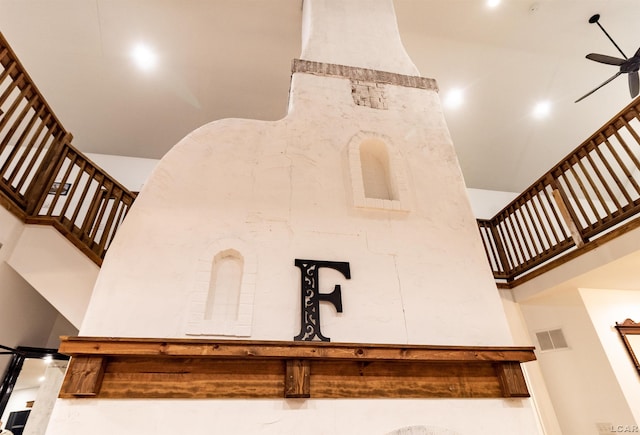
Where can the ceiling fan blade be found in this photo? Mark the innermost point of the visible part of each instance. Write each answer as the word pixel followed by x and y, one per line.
pixel 634 84
pixel 604 83
pixel 603 58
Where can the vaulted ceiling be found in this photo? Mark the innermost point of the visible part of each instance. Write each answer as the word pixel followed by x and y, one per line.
pixel 231 58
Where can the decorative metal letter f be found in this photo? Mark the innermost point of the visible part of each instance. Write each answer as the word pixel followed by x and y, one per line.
pixel 311 296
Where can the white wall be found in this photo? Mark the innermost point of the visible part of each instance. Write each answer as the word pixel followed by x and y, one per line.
pixel 46 398
pixel 486 203
pixel 582 386
pixel 26 318
pixel 605 307
pixel 61 326
pixel 131 172
pixel 54 266
pixel 285 417
pixel 533 373
pixel 18 401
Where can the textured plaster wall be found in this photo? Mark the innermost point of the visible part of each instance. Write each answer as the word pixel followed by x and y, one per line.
pixel 283 188
pixel 277 191
pixel 279 417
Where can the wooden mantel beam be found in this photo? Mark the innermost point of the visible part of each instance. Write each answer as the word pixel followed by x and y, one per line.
pixel 189 368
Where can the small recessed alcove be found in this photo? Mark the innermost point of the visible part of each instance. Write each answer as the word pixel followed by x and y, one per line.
pixel 224 286
pixel 221 302
pixel 377 174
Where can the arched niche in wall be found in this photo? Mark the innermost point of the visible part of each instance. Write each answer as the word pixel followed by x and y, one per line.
pixel 222 300
pixel 377 173
pixel 223 297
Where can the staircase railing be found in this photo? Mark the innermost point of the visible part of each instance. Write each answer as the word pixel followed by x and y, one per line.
pixel 43 178
pixel 589 196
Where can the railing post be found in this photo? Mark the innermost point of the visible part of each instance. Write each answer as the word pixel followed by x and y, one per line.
pixel 45 175
pixel 567 213
pixel 502 256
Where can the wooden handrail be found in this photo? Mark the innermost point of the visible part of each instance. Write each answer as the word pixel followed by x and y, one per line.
pixel 592 193
pixel 44 179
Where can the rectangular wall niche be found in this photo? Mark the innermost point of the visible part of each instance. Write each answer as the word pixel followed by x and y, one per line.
pixel 189 368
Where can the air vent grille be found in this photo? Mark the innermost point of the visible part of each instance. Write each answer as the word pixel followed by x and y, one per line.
pixel 552 339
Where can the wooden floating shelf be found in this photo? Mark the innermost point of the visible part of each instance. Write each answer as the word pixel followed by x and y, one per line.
pixel 189 368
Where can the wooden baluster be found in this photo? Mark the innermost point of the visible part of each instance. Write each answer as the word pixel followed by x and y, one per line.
pixel 595 189
pixel 488 244
pixel 577 202
pixel 68 157
pixel 107 188
pixel 508 245
pixel 557 220
pixel 613 174
pixel 624 168
pixel 77 228
pixel 48 135
pixel 625 146
pixel 538 238
pixel 568 215
pixel 603 181
pixel 7 73
pixel 502 256
pixel 585 195
pixel 529 239
pixel 45 174
pixel 635 136
pixel 94 205
pixel 14 106
pixel 16 123
pixel 514 233
pixel 18 146
pixel 121 214
pixel 541 223
pixel 72 191
pixel 117 198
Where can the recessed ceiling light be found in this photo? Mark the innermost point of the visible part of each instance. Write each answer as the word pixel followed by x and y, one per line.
pixel 41 379
pixel 144 57
pixel 454 98
pixel 542 109
pixel 493 3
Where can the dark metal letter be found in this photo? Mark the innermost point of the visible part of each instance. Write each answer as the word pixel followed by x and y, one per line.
pixel 311 296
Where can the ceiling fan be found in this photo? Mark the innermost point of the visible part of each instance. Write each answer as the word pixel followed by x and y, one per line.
pixel 627 65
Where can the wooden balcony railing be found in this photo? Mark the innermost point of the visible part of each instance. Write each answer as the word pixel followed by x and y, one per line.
pixel 587 198
pixel 43 178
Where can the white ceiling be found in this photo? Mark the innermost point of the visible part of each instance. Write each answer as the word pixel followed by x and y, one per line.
pixel 231 58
